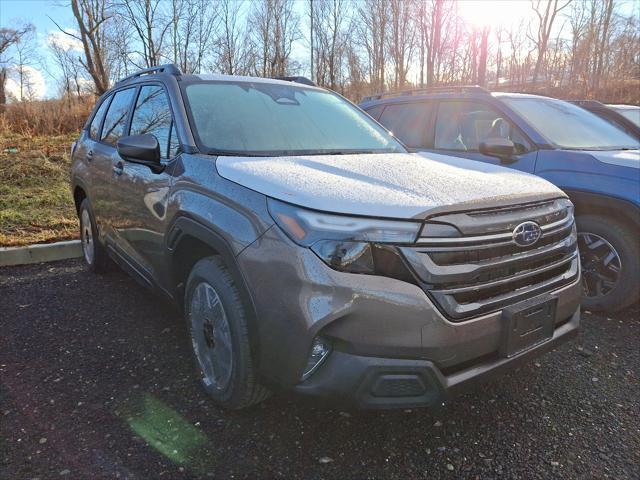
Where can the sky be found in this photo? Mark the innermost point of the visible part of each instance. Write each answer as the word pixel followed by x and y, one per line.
pixel 480 12
pixel 35 11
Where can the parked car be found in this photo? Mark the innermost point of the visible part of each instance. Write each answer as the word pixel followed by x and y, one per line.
pixel 630 112
pixel 625 117
pixel 595 163
pixel 310 251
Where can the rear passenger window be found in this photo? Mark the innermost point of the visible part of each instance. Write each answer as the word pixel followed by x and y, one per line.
pixel 152 115
pixel 116 118
pixel 407 121
pixel 94 128
pixel 463 125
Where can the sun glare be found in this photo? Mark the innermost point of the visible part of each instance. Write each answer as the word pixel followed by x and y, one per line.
pixel 494 13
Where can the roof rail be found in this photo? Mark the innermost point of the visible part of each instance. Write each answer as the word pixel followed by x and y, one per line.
pixel 303 80
pixel 170 68
pixel 586 103
pixel 418 91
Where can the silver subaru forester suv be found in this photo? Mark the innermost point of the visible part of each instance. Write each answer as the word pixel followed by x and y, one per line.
pixel 310 251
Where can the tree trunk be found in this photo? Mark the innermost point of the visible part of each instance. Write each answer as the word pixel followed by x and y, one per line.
pixel 482 63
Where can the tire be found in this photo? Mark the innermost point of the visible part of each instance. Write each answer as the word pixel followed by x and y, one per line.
pixel 94 253
pixel 596 236
pixel 220 338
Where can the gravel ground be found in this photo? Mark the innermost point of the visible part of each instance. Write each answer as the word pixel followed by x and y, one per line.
pixel 96 382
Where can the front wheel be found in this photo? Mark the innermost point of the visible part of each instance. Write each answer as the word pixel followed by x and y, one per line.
pixel 218 326
pixel 609 255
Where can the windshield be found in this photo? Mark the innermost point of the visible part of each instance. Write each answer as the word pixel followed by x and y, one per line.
pixel 569 126
pixel 255 118
pixel 632 114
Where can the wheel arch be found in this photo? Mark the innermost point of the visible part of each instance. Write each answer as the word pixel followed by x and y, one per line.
pixel 587 203
pixel 188 241
pixel 79 194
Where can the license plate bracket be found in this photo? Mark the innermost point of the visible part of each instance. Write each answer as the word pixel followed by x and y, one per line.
pixel 527 324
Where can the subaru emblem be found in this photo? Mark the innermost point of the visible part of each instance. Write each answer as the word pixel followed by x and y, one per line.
pixel 526 234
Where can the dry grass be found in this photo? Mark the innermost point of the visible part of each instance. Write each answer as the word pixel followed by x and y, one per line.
pixel 46 117
pixel 36 204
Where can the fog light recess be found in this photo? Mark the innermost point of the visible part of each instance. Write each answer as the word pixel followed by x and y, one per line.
pixel 320 349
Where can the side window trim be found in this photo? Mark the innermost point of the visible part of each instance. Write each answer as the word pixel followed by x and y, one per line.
pixel 171 129
pixel 134 101
pixel 532 145
pixel 173 117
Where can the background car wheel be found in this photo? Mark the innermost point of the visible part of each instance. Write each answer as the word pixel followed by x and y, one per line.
pixel 609 255
pixel 94 253
pixel 217 322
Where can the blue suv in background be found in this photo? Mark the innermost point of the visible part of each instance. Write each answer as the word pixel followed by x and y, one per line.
pixel 595 163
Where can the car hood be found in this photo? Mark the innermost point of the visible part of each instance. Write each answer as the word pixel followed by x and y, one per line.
pixel 623 158
pixel 394 185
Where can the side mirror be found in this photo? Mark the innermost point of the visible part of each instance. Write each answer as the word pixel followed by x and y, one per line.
pixel 143 149
pixel 503 148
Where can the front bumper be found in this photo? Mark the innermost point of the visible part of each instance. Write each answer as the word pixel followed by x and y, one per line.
pixel 373 382
pixel 370 321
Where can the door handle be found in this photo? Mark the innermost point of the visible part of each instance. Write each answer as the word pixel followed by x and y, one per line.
pixel 90 155
pixel 118 168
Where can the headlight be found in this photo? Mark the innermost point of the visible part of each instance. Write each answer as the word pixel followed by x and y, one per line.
pixel 349 244
pixel 306 227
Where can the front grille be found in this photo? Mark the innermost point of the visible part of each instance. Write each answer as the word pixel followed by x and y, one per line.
pixel 483 270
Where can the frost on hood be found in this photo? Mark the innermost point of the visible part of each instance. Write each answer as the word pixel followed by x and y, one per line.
pixel 399 185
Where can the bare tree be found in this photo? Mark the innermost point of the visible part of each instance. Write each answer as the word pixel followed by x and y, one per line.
pixel 372 23
pixel 9 37
pixel 193 24
pixel 91 17
pixel 68 62
pixel 482 56
pixel 149 26
pixel 23 64
pixel 401 39
pixel 546 12
pixel 232 56
pixel 276 26
pixel 603 41
pixel 432 19
pixel 327 19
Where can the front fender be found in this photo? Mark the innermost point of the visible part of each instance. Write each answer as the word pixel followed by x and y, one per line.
pixel 575 171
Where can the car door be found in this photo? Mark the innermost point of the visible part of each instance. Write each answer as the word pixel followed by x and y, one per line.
pixel 97 163
pixel 139 218
pixel 106 158
pixel 461 125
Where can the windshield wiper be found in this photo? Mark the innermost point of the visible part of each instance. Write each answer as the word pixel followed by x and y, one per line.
pixel 291 153
pixel 233 153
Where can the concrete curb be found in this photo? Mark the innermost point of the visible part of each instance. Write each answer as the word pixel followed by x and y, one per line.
pixel 46 252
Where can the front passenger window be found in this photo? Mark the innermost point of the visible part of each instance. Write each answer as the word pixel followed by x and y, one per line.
pixel 116 119
pixel 463 125
pixel 152 115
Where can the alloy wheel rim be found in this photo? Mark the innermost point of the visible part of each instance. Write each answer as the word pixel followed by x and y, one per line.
pixel 86 235
pixel 211 337
pixel 601 265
